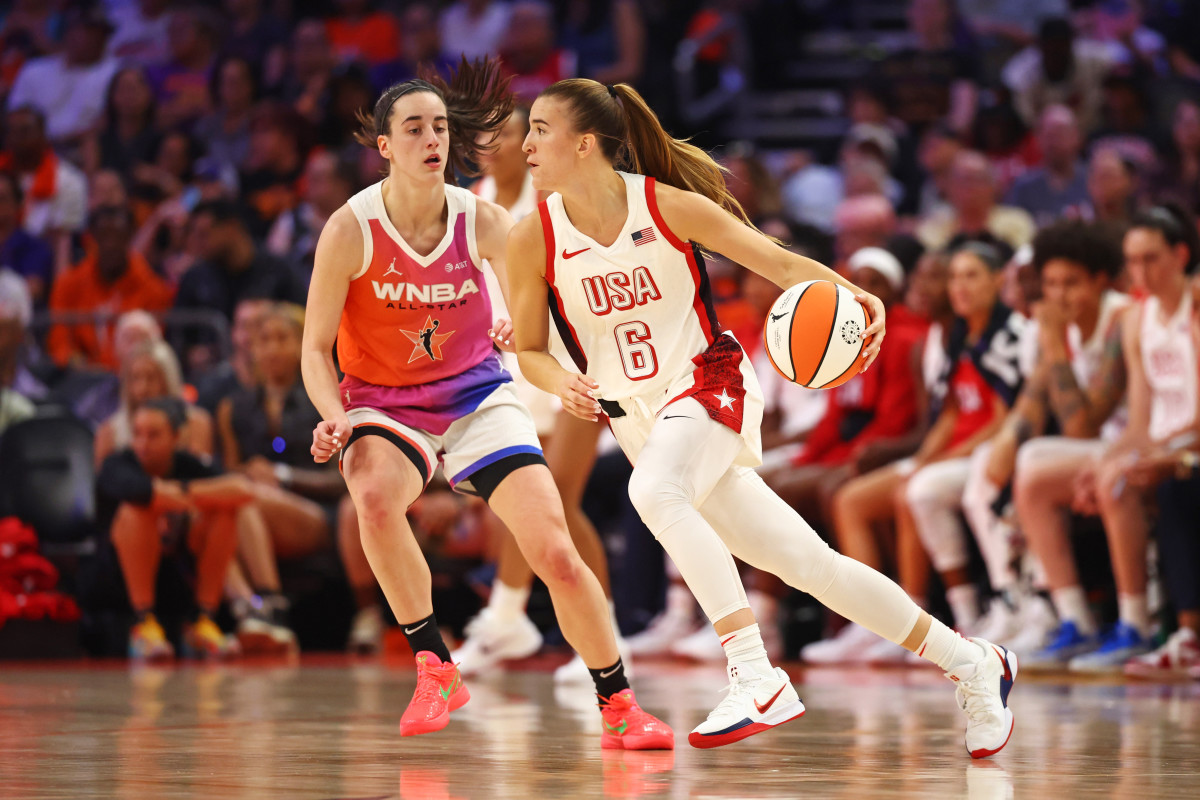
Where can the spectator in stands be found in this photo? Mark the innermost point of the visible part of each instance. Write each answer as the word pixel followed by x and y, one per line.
pixel 1010 148
pixel 880 405
pixel 1112 183
pixel 360 32
pixel 1059 187
pixel 156 499
pixel 1161 364
pixel 1126 122
pixel 973 208
pixel 55 192
pixel 310 65
pixel 350 94
pixel 237 372
pixel 16 309
pixel 1178 176
pixel 750 182
pixel 274 164
pixel 126 136
pixel 148 370
pixel 810 191
pixel 979 382
pixel 473 28
pixel 111 279
pixel 258 38
pixel 1075 320
pixel 181 82
pixel 140 32
pixel 608 38
pixel 226 131
pixel 422 46
pixel 936 153
pixel 166 177
pixel 1059 70
pixel 328 183
pixel 234 267
pixel 265 432
pixel 864 221
pixel 934 79
pixel 1014 22
pixel 34 21
pixel 69 89
pixel 106 187
pixel 1119 24
pixel 24 254
pixel 529 52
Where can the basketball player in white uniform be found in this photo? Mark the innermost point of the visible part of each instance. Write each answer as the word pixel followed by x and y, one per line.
pixel 1160 362
pixel 617 256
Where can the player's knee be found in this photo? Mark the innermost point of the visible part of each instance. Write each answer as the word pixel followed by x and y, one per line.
pixel 656 498
pixel 558 565
pixel 132 523
pixel 377 507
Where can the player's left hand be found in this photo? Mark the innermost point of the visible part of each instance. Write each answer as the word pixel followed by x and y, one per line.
pixel 1152 468
pixel 502 335
pixel 876 330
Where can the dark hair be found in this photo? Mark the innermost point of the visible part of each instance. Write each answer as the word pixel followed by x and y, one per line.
pixel 14 183
pixel 993 252
pixel 172 407
pixel 1093 246
pixel 1176 225
pixel 1056 29
pixel 29 108
pixel 221 211
pixel 632 138
pixel 110 103
pixel 477 102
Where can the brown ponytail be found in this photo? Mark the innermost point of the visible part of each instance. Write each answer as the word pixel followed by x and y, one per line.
pixel 632 138
pixel 478 103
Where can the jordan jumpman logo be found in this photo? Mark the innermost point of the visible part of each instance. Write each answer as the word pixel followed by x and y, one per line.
pixel 391 270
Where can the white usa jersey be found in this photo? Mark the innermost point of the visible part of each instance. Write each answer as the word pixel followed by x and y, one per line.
pixel 637 315
pixel 1169 361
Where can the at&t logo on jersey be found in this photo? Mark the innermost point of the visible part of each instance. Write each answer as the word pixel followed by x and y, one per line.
pixel 617 292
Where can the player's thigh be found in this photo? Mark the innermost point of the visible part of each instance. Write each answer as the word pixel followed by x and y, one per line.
pixel 571 453
pixel 871 496
pixel 1049 465
pixel 298 526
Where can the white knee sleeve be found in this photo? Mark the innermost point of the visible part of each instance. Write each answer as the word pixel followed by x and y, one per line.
pixel 934 495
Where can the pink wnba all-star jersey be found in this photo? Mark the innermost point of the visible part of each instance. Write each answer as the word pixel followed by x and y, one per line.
pixel 411 319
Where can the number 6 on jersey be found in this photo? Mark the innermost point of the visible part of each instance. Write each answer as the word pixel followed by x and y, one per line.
pixel 637 354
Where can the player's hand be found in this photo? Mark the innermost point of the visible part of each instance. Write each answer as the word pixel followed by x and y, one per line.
pixel 1085 501
pixel 1152 469
pixel 329 437
pixel 259 470
pixel 578 395
pixel 171 496
pixel 502 335
pixel 876 330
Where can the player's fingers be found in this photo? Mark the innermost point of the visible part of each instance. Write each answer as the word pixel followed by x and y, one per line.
pixel 871 352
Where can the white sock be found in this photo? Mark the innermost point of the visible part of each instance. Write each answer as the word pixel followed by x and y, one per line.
pixel 1134 610
pixel 745 646
pixel 1072 606
pixel 508 602
pixel 680 602
pixel 946 648
pixel 964 602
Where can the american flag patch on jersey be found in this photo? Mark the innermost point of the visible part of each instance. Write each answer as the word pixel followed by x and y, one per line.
pixel 644 236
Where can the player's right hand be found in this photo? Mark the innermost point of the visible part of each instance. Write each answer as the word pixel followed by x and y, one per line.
pixel 578 395
pixel 329 437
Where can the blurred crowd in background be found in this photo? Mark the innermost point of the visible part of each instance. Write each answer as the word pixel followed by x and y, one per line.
pixel 166 169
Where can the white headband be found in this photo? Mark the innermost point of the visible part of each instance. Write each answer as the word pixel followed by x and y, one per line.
pixel 881 261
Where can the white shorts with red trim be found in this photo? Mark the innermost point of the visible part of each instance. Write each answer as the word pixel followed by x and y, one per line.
pixel 722 381
pixel 498 428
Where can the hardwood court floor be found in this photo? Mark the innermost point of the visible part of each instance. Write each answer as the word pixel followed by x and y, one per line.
pixel 326 727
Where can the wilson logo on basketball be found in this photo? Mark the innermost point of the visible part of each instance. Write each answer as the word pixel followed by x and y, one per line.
pixel 850 332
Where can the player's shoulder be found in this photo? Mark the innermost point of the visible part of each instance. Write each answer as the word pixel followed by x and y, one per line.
pixel 490 215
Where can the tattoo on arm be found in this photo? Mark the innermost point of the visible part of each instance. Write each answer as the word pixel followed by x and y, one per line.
pixel 1109 384
pixel 1066 398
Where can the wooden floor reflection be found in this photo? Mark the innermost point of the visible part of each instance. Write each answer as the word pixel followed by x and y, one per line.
pixel 327 728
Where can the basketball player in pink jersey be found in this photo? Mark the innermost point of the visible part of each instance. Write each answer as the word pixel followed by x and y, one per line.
pixel 398 283
pixel 618 255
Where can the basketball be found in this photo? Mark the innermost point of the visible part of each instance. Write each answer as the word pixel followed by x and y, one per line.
pixel 812 334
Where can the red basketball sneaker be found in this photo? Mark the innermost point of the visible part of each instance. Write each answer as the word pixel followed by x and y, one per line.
pixel 628 727
pixel 440 690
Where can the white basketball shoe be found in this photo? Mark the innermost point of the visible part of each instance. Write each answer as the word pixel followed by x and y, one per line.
pixel 847 647
pixel 662 632
pixel 982 693
pixel 755 703
pixel 491 640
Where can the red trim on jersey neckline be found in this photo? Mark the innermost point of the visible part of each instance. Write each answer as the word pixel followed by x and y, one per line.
pixel 702 300
pixel 557 310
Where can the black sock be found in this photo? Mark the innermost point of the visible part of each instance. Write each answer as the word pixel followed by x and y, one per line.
pixel 425 635
pixel 610 680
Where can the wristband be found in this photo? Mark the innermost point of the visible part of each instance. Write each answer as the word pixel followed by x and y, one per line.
pixel 283 474
pixel 1185 467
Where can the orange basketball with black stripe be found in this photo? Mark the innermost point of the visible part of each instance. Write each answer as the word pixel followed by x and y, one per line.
pixel 812 334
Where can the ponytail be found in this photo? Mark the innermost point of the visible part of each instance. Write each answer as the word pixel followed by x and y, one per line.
pixel 632 138
pixel 478 104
